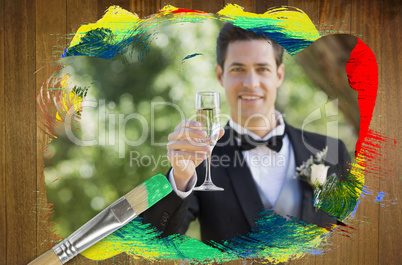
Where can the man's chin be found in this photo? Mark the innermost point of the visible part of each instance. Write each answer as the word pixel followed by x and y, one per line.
pixel 254 118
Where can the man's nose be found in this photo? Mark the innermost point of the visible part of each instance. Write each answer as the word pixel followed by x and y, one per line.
pixel 251 80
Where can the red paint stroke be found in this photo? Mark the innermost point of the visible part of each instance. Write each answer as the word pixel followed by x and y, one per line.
pixel 181 10
pixel 375 146
pixel 362 72
pixel 345 230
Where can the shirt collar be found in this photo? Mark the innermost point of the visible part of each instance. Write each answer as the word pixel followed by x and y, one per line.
pixel 278 130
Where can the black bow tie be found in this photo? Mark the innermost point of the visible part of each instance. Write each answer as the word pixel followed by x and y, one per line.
pixel 247 142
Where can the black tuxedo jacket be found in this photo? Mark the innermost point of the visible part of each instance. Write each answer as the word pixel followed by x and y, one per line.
pixel 226 214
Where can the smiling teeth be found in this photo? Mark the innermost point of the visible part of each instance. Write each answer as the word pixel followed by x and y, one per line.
pixel 249 97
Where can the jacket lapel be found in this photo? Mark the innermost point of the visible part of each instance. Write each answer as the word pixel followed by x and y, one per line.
pixel 296 139
pixel 301 155
pixel 241 178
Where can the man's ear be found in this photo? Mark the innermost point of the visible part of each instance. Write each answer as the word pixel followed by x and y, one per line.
pixel 280 74
pixel 219 73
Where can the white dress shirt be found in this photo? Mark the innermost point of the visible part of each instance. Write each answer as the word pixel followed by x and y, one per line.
pixel 268 168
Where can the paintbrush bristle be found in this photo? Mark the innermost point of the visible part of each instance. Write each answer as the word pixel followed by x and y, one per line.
pixel 148 193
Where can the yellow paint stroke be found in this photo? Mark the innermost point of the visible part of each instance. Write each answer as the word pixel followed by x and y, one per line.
pixel 116 19
pixel 295 22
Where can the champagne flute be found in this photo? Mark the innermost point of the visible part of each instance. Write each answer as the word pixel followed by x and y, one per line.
pixel 208 105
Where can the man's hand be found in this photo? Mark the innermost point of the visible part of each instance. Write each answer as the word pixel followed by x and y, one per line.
pixel 186 150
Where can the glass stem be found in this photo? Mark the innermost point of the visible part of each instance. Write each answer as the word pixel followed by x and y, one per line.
pixel 208 170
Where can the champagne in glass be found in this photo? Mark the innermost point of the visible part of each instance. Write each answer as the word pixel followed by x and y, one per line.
pixel 208 117
pixel 208 105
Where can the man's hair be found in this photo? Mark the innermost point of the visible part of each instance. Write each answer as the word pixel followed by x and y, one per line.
pixel 230 33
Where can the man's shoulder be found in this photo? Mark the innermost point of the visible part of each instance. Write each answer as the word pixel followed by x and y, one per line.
pixel 315 142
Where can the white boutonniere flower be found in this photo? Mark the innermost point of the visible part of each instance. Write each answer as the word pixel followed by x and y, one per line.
pixel 314 172
pixel 318 175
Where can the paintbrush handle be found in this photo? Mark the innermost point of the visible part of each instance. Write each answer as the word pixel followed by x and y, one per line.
pixel 48 258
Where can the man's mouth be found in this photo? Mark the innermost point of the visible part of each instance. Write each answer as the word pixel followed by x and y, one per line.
pixel 250 97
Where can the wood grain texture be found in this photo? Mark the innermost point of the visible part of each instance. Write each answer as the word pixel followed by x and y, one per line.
pixel 389 233
pixel 262 6
pixel 185 4
pixel 334 16
pixel 20 135
pixel 50 36
pixel 209 6
pixel 248 5
pixel 3 213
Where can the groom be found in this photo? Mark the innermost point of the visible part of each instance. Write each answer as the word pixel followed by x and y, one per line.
pixel 255 158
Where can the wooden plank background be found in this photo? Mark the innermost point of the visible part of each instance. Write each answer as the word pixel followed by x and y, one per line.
pixel 31 31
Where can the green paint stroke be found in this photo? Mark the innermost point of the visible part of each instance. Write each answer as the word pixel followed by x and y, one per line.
pixel 141 239
pixel 274 238
pixel 342 197
pixel 157 187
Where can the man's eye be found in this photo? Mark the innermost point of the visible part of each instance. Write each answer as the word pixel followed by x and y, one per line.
pixel 237 69
pixel 263 69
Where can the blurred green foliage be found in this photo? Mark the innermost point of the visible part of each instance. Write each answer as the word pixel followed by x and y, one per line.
pixel 138 98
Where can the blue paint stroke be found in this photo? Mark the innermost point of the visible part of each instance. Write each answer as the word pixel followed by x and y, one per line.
pixel 380 196
pixel 365 191
pixel 352 214
pixel 274 236
pixel 317 252
pixel 191 56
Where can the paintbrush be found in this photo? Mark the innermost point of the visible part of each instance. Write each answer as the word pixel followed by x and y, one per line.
pixel 109 220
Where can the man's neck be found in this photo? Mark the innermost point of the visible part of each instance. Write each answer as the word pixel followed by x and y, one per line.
pixel 260 126
pixel 261 129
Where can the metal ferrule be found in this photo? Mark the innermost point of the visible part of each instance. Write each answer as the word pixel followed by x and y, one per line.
pixel 106 222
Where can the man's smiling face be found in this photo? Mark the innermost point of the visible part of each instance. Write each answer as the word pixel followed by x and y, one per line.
pixel 250 78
